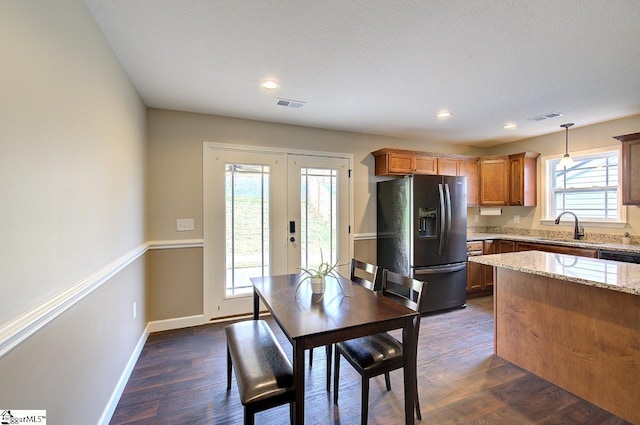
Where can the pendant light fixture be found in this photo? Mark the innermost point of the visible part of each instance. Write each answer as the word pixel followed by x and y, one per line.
pixel 566 160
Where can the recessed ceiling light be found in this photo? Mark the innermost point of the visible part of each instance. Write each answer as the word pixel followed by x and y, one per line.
pixel 270 84
pixel 510 126
pixel 443 115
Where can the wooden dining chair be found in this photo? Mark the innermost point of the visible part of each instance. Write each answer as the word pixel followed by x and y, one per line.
pixel 366 275
pixel 381 353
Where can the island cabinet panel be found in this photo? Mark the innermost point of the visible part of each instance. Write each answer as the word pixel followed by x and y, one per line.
pixel 582 338
pixel 559 249
pixel 630 159
pixel 494 180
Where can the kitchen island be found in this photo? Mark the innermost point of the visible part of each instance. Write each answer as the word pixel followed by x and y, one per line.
pixel 573 321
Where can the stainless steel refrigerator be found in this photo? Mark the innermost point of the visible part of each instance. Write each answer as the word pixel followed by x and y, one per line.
pixel 422 232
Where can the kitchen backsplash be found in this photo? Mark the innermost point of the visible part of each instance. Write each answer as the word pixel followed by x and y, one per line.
pixel 552 234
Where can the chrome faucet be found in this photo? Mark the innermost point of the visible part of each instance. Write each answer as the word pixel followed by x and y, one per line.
pixel 578 231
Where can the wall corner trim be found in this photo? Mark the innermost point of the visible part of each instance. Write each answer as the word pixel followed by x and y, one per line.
pixel 22 327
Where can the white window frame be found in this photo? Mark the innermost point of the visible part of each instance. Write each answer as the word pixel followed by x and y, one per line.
pixel 546 192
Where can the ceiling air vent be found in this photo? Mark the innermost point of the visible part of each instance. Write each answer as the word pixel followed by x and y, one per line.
pixel 290 103
pixel 546 116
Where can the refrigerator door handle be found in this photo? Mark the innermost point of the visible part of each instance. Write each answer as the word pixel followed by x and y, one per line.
pixel 440 269
pixel 441 239
pixel 448 203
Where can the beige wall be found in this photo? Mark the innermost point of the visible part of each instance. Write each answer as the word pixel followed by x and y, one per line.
pixel 580 138
pixel 175 182
pixel 175 283
pixel 175 162
pixel 72 172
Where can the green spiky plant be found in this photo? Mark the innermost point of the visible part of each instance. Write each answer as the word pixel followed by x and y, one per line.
pixel 321 272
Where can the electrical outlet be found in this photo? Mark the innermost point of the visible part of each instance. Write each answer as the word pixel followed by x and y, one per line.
pixel 476 218
pixel 516 218
pixel 184 224
pixel 135 310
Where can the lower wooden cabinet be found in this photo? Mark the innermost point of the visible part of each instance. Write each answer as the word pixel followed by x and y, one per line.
pixel 479 276
pixel 558 249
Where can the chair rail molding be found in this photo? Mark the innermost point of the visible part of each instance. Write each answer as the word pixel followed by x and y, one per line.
pixel 22 327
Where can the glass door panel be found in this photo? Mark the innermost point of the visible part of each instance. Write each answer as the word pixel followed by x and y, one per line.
pixel 318 221
pixel 247 226
pixel 319 205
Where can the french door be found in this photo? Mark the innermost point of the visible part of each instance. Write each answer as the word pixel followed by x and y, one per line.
pixel 269 213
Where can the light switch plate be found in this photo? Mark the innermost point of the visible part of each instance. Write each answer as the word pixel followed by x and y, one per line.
pixel 184 224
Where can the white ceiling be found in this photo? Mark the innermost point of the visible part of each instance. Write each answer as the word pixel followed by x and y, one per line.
pixel 385 66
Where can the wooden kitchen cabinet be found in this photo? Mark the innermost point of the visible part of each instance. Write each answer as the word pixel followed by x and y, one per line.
pixel 479 276
pixel 559 249
pixel 475 281
pixel 466 168
pixel 397 162
pixel 630 184
pixel 509 180
pixel 448 167
pixel 522 179
pixel 488 247
pixel 506 246
pixel 494 180
pixel 469 169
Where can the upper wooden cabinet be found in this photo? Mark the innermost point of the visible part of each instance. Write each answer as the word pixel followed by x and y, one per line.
pixel 522 179
pixel 491 180
pixel 469 169
pixel 630 184
pixel 396 162
pixel 494 180
pixel 508 180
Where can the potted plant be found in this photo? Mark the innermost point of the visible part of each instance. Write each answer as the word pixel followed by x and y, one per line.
pixel 317 276
pixel 626 238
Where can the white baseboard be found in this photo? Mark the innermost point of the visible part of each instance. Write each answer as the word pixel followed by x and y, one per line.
pixel 124 378
pixel 181 322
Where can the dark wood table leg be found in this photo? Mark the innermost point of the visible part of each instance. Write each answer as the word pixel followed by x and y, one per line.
pixel 410 372
pixel 256 305
pixel 298 378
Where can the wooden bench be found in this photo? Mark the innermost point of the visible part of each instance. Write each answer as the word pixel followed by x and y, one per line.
pixel 263 372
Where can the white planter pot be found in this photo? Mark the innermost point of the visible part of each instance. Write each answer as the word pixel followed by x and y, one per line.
pixel 317 285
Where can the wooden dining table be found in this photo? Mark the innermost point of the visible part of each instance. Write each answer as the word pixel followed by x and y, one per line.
pixel 337 317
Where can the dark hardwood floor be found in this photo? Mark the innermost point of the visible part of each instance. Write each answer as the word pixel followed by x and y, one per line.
pixel 180 378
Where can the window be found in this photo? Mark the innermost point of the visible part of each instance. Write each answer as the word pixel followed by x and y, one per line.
pixel 589 188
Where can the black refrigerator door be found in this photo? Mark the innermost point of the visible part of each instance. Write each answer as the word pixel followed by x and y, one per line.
pixel 439 220
pixel 394 225
pixel 446 286
pixel 456 227
pixel 427 220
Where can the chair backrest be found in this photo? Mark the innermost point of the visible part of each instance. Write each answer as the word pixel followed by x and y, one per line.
pixel 405 290
pixel 366 275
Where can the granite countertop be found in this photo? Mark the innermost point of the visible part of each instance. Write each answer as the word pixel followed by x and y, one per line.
pixel 614 275
pixel 549 241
